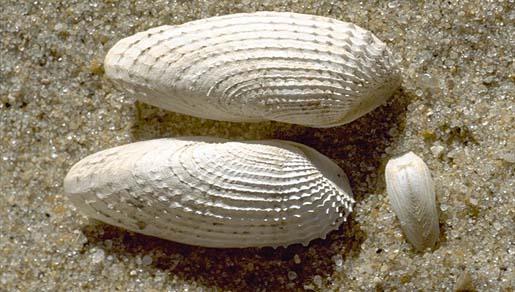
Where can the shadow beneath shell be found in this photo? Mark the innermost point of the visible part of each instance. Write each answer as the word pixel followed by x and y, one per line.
pixel 152 123
pixel 359 148
pixel 247 269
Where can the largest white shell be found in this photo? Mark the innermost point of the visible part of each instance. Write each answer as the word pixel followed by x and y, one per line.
pixel 286 67
pixel 214 193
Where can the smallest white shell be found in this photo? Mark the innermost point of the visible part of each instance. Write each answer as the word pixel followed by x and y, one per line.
pixel 412 197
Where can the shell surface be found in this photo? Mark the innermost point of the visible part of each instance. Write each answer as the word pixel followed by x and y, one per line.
pixel 214 193
pixel 412 197
pixel 251 67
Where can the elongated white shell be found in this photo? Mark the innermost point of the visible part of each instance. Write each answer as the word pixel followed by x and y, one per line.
pixel 412 197
pixel 286 67
pixel 214 193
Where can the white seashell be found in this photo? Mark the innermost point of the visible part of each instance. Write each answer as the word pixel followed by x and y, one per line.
pixel 214 193
pixel 412 197
pixel 250 67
